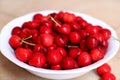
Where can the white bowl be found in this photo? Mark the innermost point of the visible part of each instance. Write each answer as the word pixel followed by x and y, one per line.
pixel 8 52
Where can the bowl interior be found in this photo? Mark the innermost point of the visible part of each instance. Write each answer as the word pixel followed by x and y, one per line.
pixel 8 52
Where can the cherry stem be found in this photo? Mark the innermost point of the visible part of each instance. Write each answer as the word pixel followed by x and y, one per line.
pixel 27 38
pixel 23 41
pixel 69 46
pixel 55 21
pixel 27 43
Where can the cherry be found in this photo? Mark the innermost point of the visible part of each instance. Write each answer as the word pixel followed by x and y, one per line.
pixel 68 17
pixel 83 34
pixel 23 54
pixel 106 33
pixel 54 57
pixel 75 26
pixel 74 37
pixel 39 48
pixel 62 51
pixel 108 76
pixel 56 67
pixel 37 17
pixel 96 54
pixel 47 39
pixel 47 23
pixel 92 42
pixel 25 32
pixel 74 52
pixel 68 63
pixel 14 41
pixel 16 30
pixel 103 69
pixel 45 29
pixel 64 29
pixel 84 59
pixel 37 60
pixel 61 40
pixel 83 45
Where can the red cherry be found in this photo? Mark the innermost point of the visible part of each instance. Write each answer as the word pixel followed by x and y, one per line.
pixel 74 37
pixel 68 17
pixel 83 34
pixel 47 39
pixel 25 32
pixel 64 29
pixel 16 30
pixel 56 67
pixel 83 45
pixel 32 25
pixel 96 54
pixel 68 63
pixel 45 29
pixel 84 59
pixel 34 33
pixel 74 52
pixel 103 69
pixel 61 40
pixel 37 60
pixel 39 48
pixel 48 23
pixel 37 16
pixel 15 41
pixel 62 51
pixel 106 33
pixel 91 42
pixel 23 54
pixel 75 26
pixel 108 76
pixel 54 57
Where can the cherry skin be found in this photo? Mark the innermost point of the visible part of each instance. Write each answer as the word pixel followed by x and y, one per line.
pixel 39 48
pixel 54 57
pixel 108 76
pixel 37 60
pixel 74 52
pixel 64 29
pixel 74 37
pixel 56 67
pixel 96 54
pixel 15 41
pixel 47 39
pixel 23 54
pixel 61 40
pixel 103 69
pixel 44 29
pixel 91 42
pixel 68 17
pixel 62 51
pixel 16 30
pixel 68 63
pixel 106 33
pixel 84 59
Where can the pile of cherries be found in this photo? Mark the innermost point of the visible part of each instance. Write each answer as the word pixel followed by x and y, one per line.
pixel 59 41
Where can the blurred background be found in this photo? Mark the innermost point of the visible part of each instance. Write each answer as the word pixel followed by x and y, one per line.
pixel 105 10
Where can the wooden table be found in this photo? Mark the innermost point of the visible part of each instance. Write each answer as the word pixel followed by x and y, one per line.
pixel 105 10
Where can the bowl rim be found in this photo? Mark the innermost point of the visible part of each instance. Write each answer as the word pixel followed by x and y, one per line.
pixel 82 69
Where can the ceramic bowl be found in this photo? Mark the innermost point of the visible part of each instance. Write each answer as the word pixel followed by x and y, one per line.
pixel 8 52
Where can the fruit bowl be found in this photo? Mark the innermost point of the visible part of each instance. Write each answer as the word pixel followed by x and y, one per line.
pixel 8 52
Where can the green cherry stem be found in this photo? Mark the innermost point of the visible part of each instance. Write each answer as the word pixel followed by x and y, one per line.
pixel 27 43
pixel 71 46
pixel 27 38
pixel 55 21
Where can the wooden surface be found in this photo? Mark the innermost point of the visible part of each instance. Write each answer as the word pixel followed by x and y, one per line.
pixel 105 10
